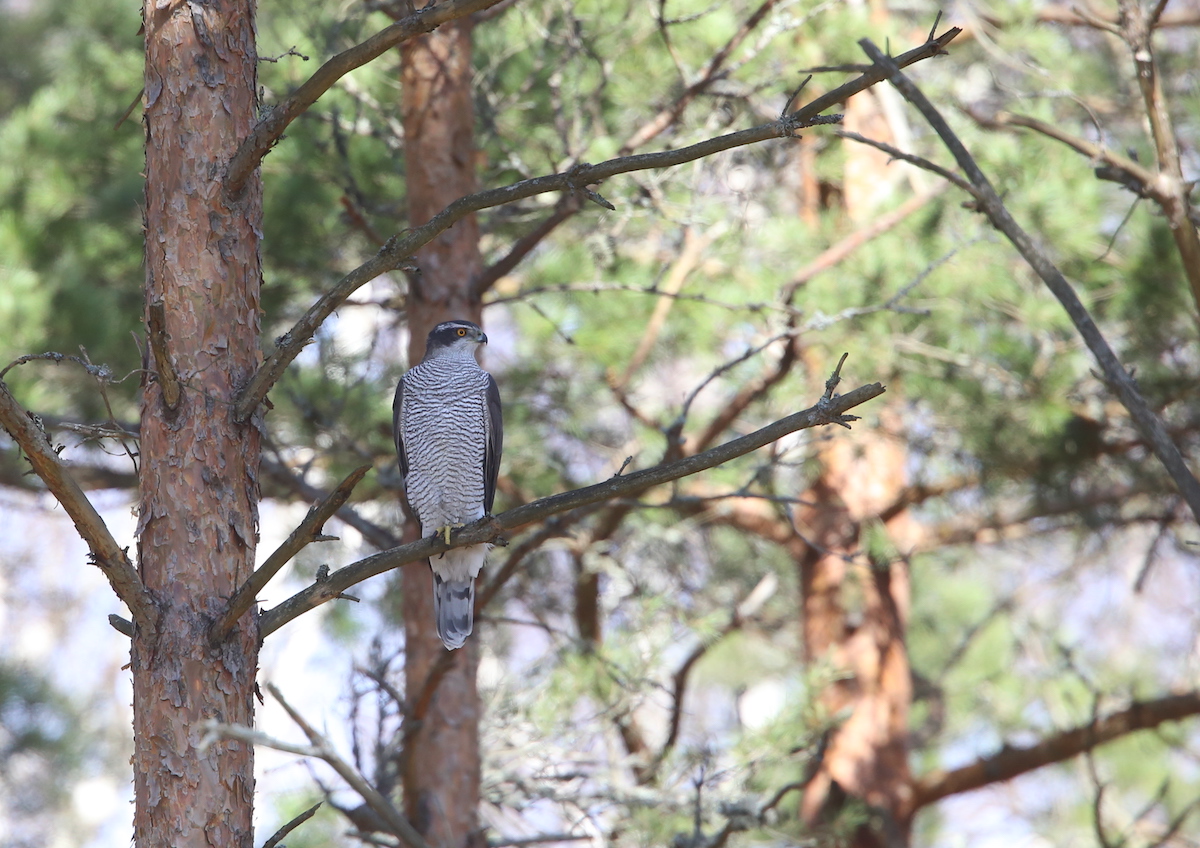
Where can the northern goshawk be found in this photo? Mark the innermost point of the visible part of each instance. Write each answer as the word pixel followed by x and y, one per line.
pixel 449 434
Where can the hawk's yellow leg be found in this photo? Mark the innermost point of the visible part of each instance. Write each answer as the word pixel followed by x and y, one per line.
pixel 444 532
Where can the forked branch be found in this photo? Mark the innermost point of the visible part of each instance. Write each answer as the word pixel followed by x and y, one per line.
pixel 830 409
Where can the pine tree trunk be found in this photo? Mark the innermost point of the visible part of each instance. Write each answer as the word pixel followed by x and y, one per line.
pixel 441 779
pixel 199 470
pixel 855 614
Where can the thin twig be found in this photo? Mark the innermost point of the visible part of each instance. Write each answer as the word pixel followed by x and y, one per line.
pixel 652 291
pixel 920 162
pixel 749 393
pixel 102 377
pixel 668 116
pixel 482 283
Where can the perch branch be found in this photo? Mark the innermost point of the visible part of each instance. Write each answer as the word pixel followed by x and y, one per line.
pixel 829 410
pixel 1147 423
pixel 401 246
pixel 110 556
pixel 270 129
pixel 309 530
pixel 1010 762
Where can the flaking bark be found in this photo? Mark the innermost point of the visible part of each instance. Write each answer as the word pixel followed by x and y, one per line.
pixel 199 488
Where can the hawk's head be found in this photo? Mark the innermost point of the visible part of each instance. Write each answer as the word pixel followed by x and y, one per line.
pixel 454 336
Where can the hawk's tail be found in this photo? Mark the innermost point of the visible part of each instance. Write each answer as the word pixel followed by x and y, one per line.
pixel 454 609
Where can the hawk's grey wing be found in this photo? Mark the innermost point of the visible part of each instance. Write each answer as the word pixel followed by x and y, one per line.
pixel 495 444
pixel 397 428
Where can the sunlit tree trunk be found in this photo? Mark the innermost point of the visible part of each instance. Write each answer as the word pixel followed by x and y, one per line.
pixel 199 469
pixel 441 777
pixel 855 611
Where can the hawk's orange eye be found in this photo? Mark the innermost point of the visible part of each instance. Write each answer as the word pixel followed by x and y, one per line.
pixel 461 331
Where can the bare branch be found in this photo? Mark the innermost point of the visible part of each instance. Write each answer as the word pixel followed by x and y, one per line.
pixel 1147 423
pixel 829 410
pixel 401 246
pixel 324 750
pixel 282 833
pixel 269 130
pixel 309 530
pixel 57 358
pixel 1009 762
pixel 110 556
pixel 1122 170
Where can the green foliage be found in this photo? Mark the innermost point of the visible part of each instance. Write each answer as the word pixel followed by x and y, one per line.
pixel 70 226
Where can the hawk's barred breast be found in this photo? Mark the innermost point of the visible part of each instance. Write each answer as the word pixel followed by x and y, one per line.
pixel 445 426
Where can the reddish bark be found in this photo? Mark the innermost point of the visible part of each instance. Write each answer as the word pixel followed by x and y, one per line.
pixel 442 762
pixel 199 469
pixel 855 614
pixel 870 176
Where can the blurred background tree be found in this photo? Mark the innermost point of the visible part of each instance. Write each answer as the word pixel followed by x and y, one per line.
pixel 784 648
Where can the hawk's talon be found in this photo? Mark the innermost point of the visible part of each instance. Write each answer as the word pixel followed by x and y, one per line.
pixel 444 532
